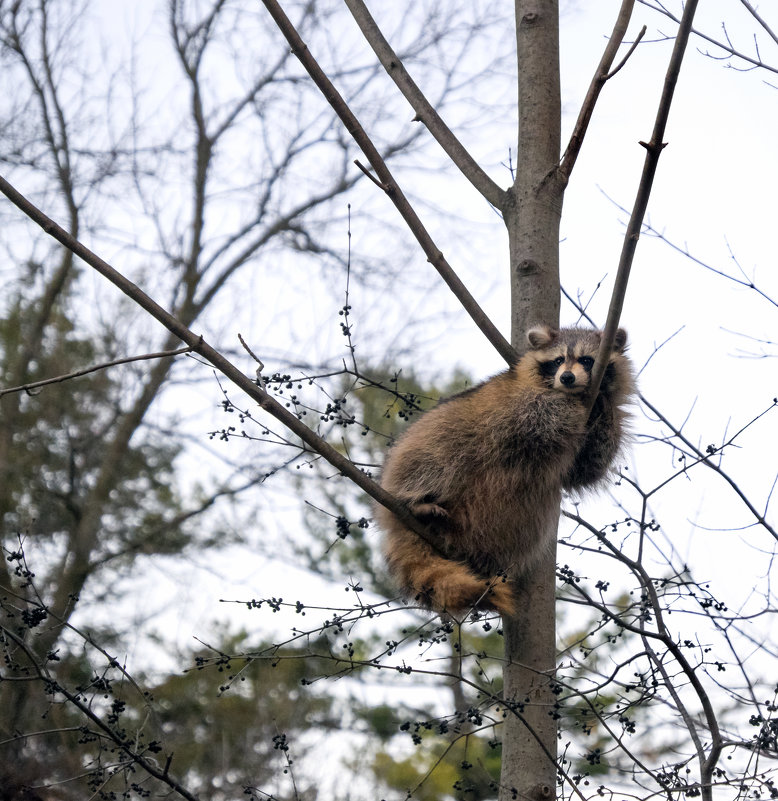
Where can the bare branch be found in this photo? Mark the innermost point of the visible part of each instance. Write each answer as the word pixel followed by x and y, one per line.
pixel 705 459
pixel 632 48
pixel 727 46
pixel 198 345
pixel 755 14
pixel 425 112
pixel 746 281
pixel 78 373
pixel 392 189
pixel 601 75
pixel 653 150
pixel 125 745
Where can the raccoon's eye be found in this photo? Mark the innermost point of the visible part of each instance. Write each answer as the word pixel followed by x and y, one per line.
pixel 559 360
pixel 587 362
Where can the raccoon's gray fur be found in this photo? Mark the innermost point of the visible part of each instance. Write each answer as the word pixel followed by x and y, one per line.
pixel 484 470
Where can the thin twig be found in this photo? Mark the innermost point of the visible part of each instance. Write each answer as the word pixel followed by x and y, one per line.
pixel 727 47
pixel 746 281
pixel 704 458
pixel 425 112
pixel 370 175
pixel 117 737
pixel 633 47
pixel 755 14
pixel 653 150
pixel 392 189
pixel 260 363
pixel 78 373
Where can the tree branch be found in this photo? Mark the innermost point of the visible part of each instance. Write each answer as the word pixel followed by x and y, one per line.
pixel 755 14
pixel 125 745
pixel 727 47
pixel 745 281
pixel 425 112
pixel 78 373
pixel 664 635
pixel 653 151
pixel 392 189
pixel 198 345
pixel 601 75
pixel 705 458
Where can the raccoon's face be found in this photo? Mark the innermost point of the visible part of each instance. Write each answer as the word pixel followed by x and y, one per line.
pixel 565 358
pixel 567 371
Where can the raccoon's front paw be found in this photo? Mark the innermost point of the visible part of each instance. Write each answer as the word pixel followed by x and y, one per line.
pixel 428 511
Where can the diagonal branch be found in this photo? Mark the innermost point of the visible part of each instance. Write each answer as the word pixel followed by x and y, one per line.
pixel 390 186
pixel 653 151
pixel 198 345
pixel 425 111
pixel 727 45
pixel 94 368
pixel 755 14
pixel 705 458
pixel 601 75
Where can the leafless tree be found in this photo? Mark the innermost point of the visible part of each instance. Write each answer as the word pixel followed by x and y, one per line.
pixel 628 658
pixel 213 160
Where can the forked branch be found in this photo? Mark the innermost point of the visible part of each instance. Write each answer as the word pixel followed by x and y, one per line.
pixel 390 186
pixel 653 150
pixel 425 111
pixel 601 75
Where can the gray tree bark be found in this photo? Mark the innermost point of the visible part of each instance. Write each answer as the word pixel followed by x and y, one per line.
pixel 532 214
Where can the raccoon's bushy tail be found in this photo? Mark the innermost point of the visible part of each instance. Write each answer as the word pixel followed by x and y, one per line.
pixel 440 584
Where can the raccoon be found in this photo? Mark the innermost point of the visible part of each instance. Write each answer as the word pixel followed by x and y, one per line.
pixel 484 471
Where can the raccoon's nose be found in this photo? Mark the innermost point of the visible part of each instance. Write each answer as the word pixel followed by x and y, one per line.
pixel 567 378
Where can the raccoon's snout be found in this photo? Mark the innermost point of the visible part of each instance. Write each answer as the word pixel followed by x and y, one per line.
pixel 567 378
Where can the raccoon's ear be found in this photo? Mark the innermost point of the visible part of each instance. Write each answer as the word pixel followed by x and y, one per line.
pixel 541 336
pixel 620 341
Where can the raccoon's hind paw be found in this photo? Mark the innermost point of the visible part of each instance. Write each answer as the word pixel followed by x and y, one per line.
pixel 427 511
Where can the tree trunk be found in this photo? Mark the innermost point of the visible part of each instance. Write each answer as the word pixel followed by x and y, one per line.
pixel 532 216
